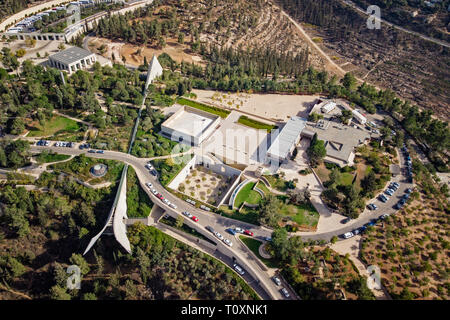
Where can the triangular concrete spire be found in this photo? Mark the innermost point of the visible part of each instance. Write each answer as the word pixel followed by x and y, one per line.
pixel 154 70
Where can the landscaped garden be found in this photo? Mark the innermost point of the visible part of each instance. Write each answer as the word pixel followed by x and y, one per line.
pixel 201 106
pixel 254 245
pixel 205 185
pixel 170 167
pixel 248 195
pixel 246 121
pixel 55 125
pixel 79 167
pixel 139 204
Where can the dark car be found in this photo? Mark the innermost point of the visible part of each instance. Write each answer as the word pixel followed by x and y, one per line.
pixel 344 221
pixel 153 172
pixel 91 151
pixel 231 231
pixel 100 151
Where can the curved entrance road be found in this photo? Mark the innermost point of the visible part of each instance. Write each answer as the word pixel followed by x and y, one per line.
pixel 239 251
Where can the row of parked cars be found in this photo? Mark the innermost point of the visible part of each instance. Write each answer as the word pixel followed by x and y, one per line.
pixel 151 169
pixel 408 169
pixel 233 231
pixel 160 196
pixel 43 143
pixel 219 236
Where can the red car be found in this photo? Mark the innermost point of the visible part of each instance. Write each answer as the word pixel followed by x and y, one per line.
pixel 194 218
pixel 248 232
pixel 159 196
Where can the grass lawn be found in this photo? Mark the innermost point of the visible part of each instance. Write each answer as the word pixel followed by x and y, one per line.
pixel 211 109
pixel 51 157
pixel 277 183
pixel 254 245
pixel 55 125
pixel 246 194
pixel 246 215
pixel 263 187
pixel 244 120
pixel 303 215
pixel 346 179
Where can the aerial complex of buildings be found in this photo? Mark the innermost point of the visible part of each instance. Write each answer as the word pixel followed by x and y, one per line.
pixel 72 59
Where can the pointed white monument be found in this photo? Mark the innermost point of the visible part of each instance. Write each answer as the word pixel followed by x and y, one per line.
pixel 154 70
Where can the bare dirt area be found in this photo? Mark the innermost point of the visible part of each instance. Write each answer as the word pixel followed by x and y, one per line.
pixel 261 105
pixel 134 54
pixel 416 69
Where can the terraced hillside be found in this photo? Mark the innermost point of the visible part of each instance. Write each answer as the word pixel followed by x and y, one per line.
pixel 414 68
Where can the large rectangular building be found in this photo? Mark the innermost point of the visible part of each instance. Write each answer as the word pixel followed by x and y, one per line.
pixel 190 125
pixel 72 59
pixel 284 144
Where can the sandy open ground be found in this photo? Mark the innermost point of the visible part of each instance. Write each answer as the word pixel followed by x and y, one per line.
pixel 274 107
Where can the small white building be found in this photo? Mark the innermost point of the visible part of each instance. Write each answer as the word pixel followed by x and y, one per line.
pixel 328 107
pixel 359 117
pixel 284 144
pixel 72 59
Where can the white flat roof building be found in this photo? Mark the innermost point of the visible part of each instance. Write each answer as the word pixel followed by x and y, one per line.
pixel 359 117
pixel 190 125
pixel 72 59
pixel 283 145
pixel 327 107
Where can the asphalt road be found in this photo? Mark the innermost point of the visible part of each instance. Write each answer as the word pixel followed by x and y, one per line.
pixel 239 251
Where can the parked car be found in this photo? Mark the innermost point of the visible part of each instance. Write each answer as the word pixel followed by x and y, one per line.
pixel 205 208
pixel 276 280
pixel 268 239
pixel 173 206
pixel 384 216
pixel 389 192
pixel 155 192
pixel 149 185
pixel 248 232
pixel 238 269
pixel 231 231
pixel 228 242
pixel 91 151
pixel 153 172
pixel 409 190
pixel 239 230
pixel 348 235
pixel 383 198
pixel 218 235
pixel 346 220
pixel 190 201
pixel 100 151
pixel 187 214
pixel 166 201
pixel 362 229
pixel 194 218
pixel 285 292
pixel 372 206
pixel 210 229
pixel 356 232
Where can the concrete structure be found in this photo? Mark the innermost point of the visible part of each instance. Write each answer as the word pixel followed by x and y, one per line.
pixel 328 106
pixel 190 125
pixel 359 117
pixel 284 144
pixel 72 59
pixel 99 170
pixel 154 70
pixel 340 140
pixel 210 163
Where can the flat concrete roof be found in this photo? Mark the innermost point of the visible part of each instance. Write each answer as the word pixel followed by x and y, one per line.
pixel 287 137
pixel 189 122
pixel 340 139
pixel 71 55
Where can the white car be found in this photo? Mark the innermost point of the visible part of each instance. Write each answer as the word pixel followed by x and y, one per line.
pixel 149 166
pixel 173 206
pixel 166 201
pixel 239 230
pixel 228 242
pixel 187 214
pixel 285 292
pixel 148 184
pixel 155 192
pixel 348 235
pixel 276 280
pixel 218 235
pixel 239 269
